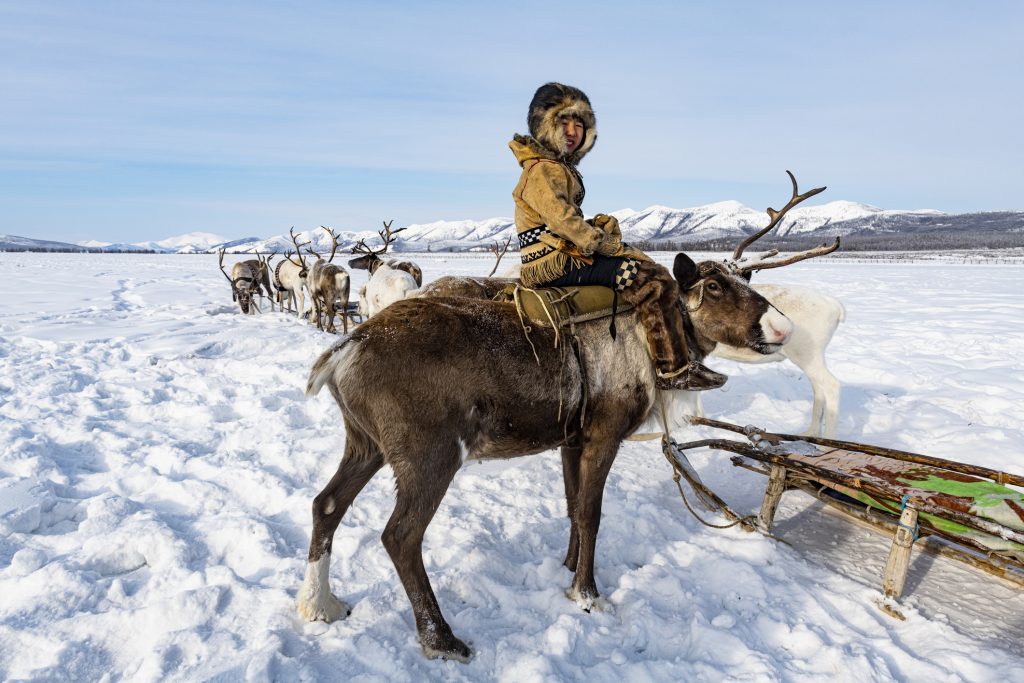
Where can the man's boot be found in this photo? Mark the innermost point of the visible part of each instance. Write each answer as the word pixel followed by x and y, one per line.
pixel 655 295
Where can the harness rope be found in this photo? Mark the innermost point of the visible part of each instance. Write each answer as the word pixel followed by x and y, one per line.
pixel 666 444
pixel 715 502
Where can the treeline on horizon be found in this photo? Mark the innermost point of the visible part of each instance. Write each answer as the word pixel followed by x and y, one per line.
pixel 921 241
pixel 81 250
pixel 886 242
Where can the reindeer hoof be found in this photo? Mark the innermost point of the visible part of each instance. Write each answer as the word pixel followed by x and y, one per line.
pixel 323 607
pixel 587 601
pixel 436 647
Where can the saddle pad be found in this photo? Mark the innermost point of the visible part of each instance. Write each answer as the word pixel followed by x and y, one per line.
pixel 561 306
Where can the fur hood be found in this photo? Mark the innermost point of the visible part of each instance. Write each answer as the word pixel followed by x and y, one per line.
pixel 551 103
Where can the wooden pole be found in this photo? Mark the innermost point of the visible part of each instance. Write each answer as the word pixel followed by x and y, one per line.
pixel 899 554
pixel 1002 478
pixel 772 494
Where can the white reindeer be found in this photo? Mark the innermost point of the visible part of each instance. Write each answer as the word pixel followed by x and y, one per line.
pixel 385 287
pixel 390 280
pixel 290 278
pixel 815 318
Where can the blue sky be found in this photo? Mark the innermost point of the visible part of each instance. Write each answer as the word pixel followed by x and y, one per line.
pixel 136 121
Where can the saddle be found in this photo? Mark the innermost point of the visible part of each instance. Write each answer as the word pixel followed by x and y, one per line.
pixel 558 307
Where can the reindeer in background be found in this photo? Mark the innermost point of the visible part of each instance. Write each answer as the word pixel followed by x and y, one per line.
pixel 248 279
pixel 475 287
pixel 390 280
pixel 328 287
pixel 815 317
pixel 290 277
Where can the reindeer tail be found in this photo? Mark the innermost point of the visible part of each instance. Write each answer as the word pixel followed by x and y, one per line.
pixel 327 365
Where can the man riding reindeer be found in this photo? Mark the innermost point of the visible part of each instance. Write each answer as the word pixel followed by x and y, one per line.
pixel 559 248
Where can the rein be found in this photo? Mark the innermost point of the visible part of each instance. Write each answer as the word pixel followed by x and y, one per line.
pixel 707 496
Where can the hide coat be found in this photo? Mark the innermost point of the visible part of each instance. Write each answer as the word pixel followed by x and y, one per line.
pixel 553 234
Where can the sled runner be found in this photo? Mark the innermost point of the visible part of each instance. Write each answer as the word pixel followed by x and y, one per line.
pixel 352 311
pixel 962 511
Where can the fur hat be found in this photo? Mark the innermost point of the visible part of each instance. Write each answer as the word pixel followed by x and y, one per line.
pixel 550 105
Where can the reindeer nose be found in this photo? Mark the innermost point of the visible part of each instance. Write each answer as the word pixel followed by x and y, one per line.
pixel 779 330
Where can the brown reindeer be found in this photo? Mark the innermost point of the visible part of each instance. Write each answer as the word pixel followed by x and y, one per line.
pixel 248 278
pixel 457 379
pixel 467 286
pixel 471 286
pixel 328 286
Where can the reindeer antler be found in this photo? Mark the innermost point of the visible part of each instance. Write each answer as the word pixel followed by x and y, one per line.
pixel 220 262
pixel 387 235
pixel 776 216
pixel 764 262
pixel 334 241
pixel 298 248
pixel 499 250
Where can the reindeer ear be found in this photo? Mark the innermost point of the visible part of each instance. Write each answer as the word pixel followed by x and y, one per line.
pixel 361 263
pixel 746 274
pixel 685 270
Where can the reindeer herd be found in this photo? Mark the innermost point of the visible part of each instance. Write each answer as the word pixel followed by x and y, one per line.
pixel 458 376
pixel 304 271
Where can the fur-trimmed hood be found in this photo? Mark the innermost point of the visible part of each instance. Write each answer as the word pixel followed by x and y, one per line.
pixel 550 105
pixel 526 148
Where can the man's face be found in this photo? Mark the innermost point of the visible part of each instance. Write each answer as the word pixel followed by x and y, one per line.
pixel 573 129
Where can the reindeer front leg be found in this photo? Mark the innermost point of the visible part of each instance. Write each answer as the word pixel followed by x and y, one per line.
pixel 596 460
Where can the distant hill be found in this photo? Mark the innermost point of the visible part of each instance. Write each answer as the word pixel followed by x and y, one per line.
pixel 16 243
pixel 718 226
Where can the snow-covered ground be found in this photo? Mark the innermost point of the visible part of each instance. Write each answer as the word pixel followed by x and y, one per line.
pixel 158 461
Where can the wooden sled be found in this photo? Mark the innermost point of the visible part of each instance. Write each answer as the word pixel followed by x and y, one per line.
pixel 952 509
pixel 352 312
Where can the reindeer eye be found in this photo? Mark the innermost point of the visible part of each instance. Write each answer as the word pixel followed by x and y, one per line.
pixel 713 287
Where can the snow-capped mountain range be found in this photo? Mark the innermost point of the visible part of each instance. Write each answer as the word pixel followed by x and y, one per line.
pixel 719 221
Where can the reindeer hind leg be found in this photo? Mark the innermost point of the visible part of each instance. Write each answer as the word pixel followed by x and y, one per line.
pixel 362 459
pixel 422 478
